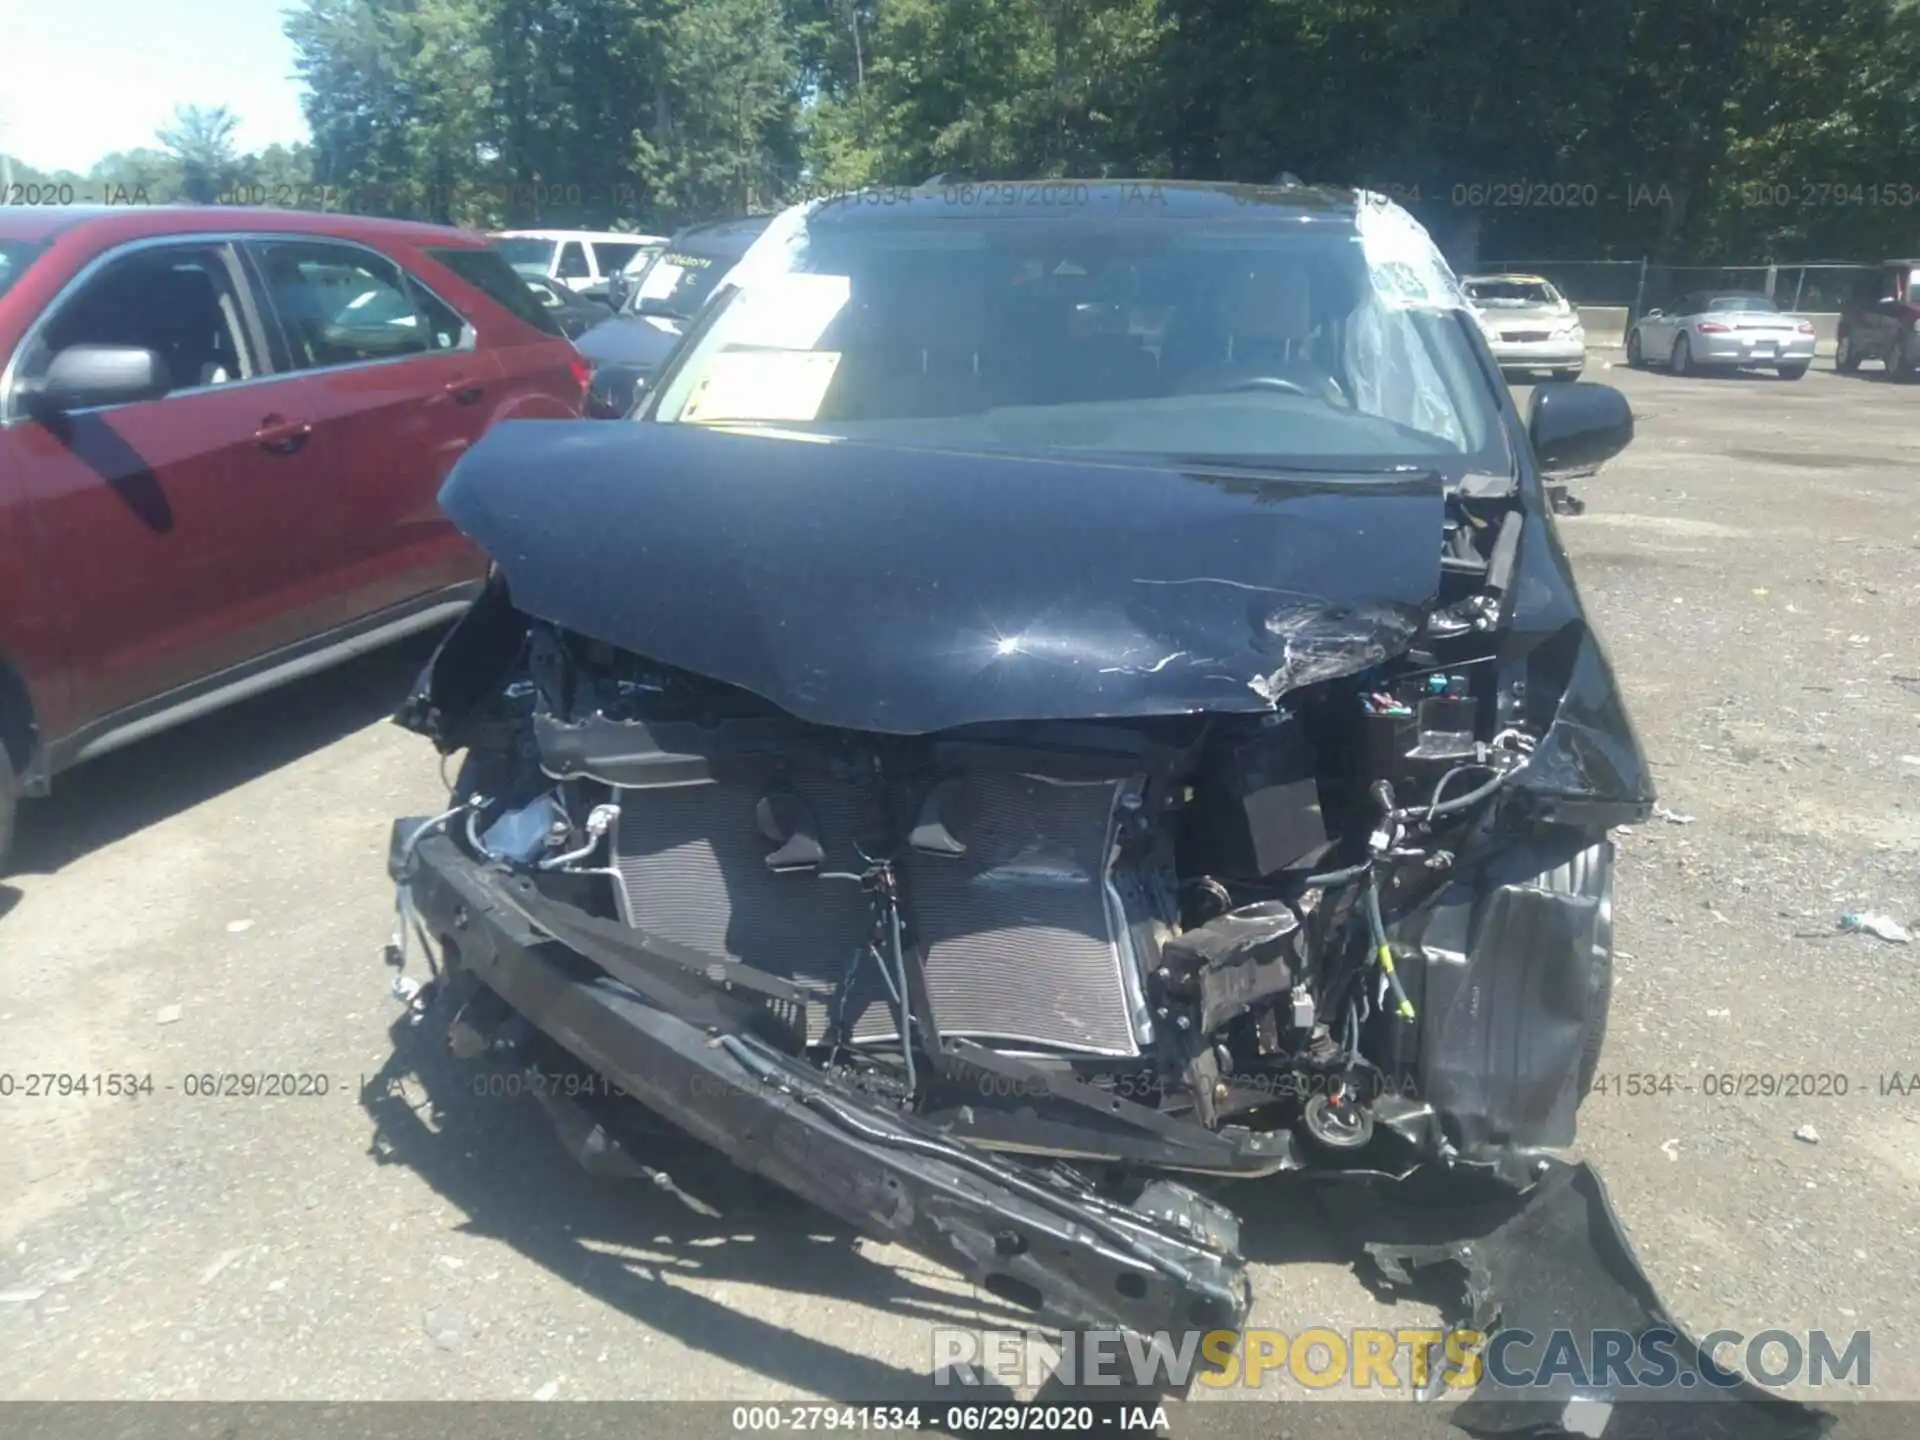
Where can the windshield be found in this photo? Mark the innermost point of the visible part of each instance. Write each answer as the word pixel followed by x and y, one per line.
pixel 1740 304
pixel 1509 294
pixel 677 283
pixel 1271 344
pixel 15 257
pixel 527 252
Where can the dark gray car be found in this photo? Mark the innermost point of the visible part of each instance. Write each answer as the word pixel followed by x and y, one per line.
pixel 628 348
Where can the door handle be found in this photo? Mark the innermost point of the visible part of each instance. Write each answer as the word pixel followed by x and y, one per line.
pixel 463 390
pixel 282 436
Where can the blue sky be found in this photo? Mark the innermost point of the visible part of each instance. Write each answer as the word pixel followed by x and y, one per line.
pixel 79 78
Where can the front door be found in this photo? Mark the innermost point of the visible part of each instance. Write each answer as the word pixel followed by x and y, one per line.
pixel 396 391
pixel 168 527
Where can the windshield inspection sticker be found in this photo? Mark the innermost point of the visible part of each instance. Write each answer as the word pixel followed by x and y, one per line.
pixel 762 385
pixel 661 279
pixel 789 312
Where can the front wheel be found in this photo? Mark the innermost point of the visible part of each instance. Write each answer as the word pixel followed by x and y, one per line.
pixel 1846 359
pixel 1636 360
pixel 1792 372
pixel 1681 361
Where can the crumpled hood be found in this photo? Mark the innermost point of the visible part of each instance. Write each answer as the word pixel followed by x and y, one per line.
pixel 909 590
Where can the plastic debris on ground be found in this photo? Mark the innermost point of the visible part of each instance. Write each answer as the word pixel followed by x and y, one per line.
pixel 1884 927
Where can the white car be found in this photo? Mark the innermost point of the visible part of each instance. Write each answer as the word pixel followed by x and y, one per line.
pixel 582 260
pixel 1722 330
pixel 1529 324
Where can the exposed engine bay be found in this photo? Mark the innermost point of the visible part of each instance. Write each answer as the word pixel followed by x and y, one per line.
pixel 1187 915
pixel 1012 941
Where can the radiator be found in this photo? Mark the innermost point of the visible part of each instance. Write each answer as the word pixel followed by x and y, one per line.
pixel 1025 939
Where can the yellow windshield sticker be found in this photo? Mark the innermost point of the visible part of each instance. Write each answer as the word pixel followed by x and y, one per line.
pixel 762 385
pixel 788 312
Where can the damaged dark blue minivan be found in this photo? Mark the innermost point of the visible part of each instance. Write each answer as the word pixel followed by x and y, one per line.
pixel 1063 702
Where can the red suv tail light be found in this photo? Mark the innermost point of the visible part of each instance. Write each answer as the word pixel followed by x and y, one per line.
pixel 582 369
pixel 1711 327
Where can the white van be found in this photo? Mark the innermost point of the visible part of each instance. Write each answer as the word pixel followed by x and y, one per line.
pixel 582 260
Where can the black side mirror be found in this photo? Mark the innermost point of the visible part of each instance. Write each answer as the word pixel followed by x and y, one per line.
pixel 614 391
pixel 1578 426
pixel 83 376
pixel 654 305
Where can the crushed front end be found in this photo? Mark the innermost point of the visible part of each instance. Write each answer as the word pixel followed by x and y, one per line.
pixel 1005 927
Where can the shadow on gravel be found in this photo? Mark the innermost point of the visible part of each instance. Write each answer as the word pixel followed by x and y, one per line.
pixel 1487 1258
pixel 125 791
pixel 637 1248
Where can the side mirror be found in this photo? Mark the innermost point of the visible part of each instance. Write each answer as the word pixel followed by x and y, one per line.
pixel 614 391
pixel 1578 427
pixel 83 376
pixel 654 305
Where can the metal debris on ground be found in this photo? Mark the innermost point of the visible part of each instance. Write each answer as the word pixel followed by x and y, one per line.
pixel 1808 1134
pixel 1672 817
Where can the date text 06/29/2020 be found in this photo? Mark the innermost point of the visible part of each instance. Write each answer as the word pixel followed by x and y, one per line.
pixel 951 1419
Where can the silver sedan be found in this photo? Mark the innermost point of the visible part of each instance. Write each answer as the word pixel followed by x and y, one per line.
pixel 1529 325
pixel 1722 330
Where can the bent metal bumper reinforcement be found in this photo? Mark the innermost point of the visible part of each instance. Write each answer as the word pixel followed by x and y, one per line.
pixel 1168 1261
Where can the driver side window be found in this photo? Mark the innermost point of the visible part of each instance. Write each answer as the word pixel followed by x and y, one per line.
pixel 178 301
pixel 573 262
pixel 341 305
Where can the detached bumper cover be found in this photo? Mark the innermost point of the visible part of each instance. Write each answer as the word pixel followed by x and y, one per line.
pixel 1168 1262
pixel 1560 1268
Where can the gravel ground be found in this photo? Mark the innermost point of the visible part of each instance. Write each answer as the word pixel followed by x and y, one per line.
pixel 213 900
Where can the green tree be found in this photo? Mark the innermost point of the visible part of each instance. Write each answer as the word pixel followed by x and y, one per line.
pixel 201 142
pixel 721 135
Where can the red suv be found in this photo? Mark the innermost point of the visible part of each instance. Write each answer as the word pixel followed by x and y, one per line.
pixel 222 437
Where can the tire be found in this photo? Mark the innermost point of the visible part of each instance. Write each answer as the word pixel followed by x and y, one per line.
pixel 1635 359
pixel 1900 364
pixel 1846 359
pixel 1680 362
pixel 1792 372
